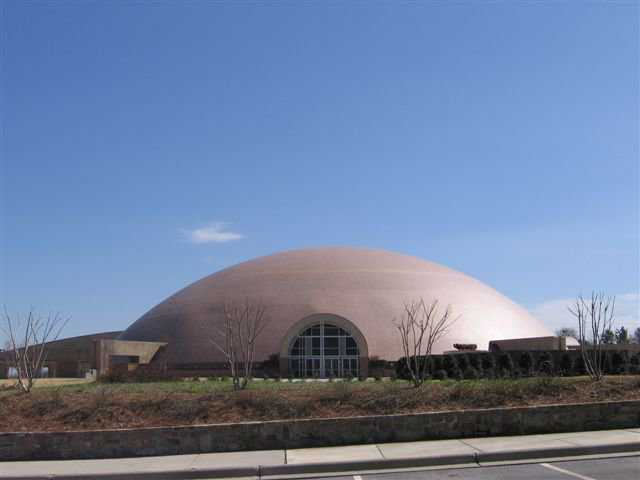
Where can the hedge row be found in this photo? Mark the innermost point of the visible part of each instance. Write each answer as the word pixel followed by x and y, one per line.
pixel 518 364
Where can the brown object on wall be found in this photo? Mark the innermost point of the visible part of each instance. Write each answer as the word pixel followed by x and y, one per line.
pixel 465 346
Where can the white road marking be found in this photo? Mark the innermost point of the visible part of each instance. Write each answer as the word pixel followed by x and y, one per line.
pixel 566 472
pixel 357 477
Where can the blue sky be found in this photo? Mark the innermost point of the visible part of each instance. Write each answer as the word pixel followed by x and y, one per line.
pixel 145 145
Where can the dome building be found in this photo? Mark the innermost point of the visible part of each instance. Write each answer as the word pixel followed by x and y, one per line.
pixel 330 310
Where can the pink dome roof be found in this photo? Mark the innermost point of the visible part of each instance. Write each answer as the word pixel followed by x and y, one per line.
pixel 367 287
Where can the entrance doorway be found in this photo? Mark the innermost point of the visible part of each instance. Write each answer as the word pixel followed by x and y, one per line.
pixel 324 350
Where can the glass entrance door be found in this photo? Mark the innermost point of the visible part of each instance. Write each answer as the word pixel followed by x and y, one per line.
pixel 324 351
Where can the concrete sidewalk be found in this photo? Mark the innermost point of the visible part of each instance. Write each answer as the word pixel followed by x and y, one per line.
pixel 357 458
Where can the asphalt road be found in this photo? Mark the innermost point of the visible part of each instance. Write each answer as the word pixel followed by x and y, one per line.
pixel 620 468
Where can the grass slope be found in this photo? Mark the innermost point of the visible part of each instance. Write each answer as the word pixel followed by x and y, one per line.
pixel 98 406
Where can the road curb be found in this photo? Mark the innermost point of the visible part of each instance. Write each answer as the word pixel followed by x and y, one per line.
pixel 534 453
pixel 283 471
pixel 392 463
pixel 181 474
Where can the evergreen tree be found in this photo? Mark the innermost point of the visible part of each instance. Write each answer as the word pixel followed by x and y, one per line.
pixel 608 337
pixel 622 335
pixel 567 332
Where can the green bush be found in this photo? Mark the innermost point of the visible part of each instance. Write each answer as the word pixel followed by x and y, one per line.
pixel 463 362
pixel 471 374
pixel 489 365
pixel 607 364
pixel 437 363
pixel 475 362
pixel 579 367
pixel 440 374
pixel 566 364
pixel 505 365
pixel 545 364
pixel 525 363
pixel 450 364
pixel 520 364
pixel 620 362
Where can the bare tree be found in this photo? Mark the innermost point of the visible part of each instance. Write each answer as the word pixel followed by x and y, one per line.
pixel 595 317
pixel 420 327
pixel 28 346
pixel 242 326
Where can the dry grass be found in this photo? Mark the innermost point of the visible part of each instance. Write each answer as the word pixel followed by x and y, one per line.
pixel 95 406
pixel 48 382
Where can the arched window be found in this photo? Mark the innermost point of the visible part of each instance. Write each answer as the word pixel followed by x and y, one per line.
pixel 324 350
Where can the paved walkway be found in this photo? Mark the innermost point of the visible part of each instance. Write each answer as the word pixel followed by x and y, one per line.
pixel 477 451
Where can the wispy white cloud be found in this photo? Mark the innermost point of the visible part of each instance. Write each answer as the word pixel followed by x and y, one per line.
pixel 554 313
pixel 216 232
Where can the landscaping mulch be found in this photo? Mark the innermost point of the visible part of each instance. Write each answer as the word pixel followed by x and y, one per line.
pixel 107 406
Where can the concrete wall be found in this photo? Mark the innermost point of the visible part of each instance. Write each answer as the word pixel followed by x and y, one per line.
pixel 318 432
pixel 108 348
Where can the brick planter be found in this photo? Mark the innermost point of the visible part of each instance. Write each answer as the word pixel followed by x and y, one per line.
pixel 318 432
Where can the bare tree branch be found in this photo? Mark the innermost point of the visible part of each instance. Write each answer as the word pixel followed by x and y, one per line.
pixel 595 317
pixel 243 323
pixel 28 340
pixel 420 327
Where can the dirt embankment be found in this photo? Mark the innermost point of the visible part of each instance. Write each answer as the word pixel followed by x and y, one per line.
pixel 99 406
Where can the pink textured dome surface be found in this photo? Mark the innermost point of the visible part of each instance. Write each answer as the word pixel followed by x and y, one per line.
pixel 367 287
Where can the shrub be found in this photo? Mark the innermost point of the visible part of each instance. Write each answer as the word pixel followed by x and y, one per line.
pixel 525 363
pixel 403 371
pixel 579 366
pixel 546 368
pixel 505 365
pixel 112 376
pixel 141 374
pixel 471 374
pixel 429 367
pixel 438 363
pixel 488 362
pixel 463 362
pixel 440 374
pixel 545 364
pixel 607 364
pixel 475 361
pixel 566 364
pixel 620 362
pixel 450 364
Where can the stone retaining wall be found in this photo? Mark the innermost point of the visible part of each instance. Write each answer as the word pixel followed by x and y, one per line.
pixel 318 432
